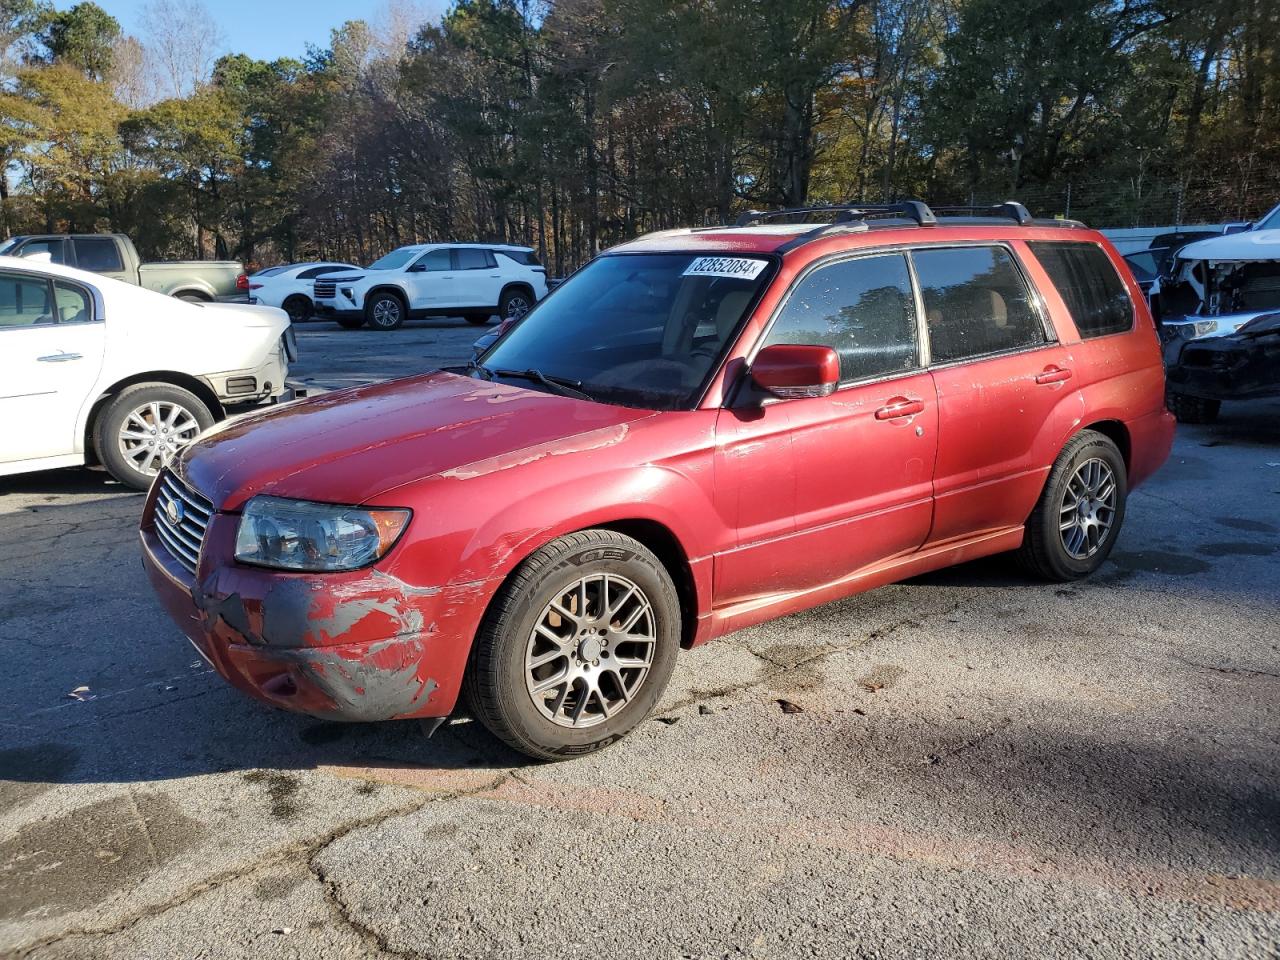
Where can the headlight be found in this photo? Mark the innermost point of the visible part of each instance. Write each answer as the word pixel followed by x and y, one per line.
pixel 299 535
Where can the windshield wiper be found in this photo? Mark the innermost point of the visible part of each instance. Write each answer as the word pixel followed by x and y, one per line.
pixel 475 366
pixel 561 385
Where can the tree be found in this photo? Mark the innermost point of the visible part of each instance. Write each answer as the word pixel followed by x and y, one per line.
pixel 82 37
pixel 183 42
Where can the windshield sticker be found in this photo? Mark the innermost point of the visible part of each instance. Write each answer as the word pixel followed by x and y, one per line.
pixel 739 268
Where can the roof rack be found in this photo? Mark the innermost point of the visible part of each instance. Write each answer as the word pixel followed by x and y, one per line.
pixel 848 212
pixel 1010 209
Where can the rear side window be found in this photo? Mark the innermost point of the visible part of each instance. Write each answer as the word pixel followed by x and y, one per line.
pixel 1092 290
pixel 24 302
pixel 976 303
pixel 472 258
pixel 862 308
pixel 314 272
pixel 526 257
pixel 97 255
pixel 72 303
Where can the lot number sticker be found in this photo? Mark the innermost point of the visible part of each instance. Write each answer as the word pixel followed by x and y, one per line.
pixel 739 268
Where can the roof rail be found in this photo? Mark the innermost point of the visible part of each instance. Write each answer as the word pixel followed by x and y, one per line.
pixel 1010 209
pixel 845 212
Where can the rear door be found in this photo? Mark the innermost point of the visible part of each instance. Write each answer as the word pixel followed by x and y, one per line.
pixel 99 255
pixel 478 282
pixel 51 349
pixel 827 486
pixel 1006 400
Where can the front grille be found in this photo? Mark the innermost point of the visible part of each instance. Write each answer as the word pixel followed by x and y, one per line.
pixel 182 516
pixel 325 289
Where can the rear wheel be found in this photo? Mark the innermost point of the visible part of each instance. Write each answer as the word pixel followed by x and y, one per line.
pixel 1079 514
pixel 385 311
pixel 144 427
pixel 1189 409
pixel 515 302
pixel 577 647
pixel 298 308
pixel 193 298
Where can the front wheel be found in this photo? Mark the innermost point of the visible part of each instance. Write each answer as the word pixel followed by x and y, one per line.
pixel 1077 519
pixel 577 647
pixel 385 311
pixel 144 427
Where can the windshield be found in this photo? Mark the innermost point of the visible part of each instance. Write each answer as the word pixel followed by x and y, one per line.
pixel 395 259
pixel 9 245
pixel 1272 221
pixel 637 330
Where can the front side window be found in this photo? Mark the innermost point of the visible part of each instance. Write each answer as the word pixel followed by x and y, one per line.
pixel 24 302
pixel 976 303
pixel 637 330
pixel 862 308
pixel 97 254
pixel 1094 294
pixel 54 247
pixel 434 261
pixel 471 258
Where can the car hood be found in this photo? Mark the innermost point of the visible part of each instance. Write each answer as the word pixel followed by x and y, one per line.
pixel 351 445
pixel 1251 245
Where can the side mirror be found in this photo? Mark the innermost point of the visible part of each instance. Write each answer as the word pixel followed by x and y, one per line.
pixel 417 268
pixel 791 370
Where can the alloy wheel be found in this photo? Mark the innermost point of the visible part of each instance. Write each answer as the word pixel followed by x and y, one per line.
pixel 153 432
pixel 517 307
pixel 590 651
pixel 386 312
pixel 1088 509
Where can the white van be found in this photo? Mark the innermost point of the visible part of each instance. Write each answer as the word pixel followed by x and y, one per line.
pixel 94 370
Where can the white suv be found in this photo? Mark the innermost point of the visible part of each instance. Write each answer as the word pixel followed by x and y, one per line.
pixel 472 280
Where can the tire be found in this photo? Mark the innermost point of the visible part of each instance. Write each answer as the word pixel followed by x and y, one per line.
pixel 193 298
pixel 477 319
pixel 385 311
pixel 1046 550
pixel 517 300
pixel 566 724
pixel 298 307
pixel 1189 409
pixel 351 323
pixel 131 459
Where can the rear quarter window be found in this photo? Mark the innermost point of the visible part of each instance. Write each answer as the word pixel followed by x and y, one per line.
pixel 525 257
pixel 1085 277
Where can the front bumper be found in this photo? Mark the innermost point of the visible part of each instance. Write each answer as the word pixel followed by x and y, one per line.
pixel 1224 368
pixel 357 646
pixel 257 384
pixel 327 309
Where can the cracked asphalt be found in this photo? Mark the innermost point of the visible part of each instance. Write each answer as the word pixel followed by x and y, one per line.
pixel 968 764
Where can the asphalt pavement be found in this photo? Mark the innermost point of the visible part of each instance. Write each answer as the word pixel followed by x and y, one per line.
pixel 970 764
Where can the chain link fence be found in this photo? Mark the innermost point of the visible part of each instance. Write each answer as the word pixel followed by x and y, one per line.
pixel 1235 196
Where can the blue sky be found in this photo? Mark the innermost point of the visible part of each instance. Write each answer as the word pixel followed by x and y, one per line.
pixel 264 29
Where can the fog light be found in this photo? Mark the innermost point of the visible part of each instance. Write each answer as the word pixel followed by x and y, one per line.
pixel 237 385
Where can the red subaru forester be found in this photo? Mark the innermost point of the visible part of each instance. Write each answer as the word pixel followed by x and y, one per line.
pixel 700 430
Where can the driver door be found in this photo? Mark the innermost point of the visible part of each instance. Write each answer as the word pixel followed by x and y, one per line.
pixel 430 280
pixel 824 487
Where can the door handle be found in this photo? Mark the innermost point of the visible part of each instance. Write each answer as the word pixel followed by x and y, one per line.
pixel 900 407
pixel 59 357
pixel 1053 375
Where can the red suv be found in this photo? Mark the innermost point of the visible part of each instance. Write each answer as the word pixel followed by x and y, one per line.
pixel 699 431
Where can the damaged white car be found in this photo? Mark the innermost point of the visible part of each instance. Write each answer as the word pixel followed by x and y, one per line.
pixel 1217 311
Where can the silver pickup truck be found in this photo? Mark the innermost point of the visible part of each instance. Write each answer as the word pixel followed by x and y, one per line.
pixel 114 255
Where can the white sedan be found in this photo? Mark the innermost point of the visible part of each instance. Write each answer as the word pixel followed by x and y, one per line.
pixel 93 370
pixel 290 287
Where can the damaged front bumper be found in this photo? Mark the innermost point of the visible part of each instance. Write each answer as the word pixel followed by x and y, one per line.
pixel 1242 366
pixel 358 646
